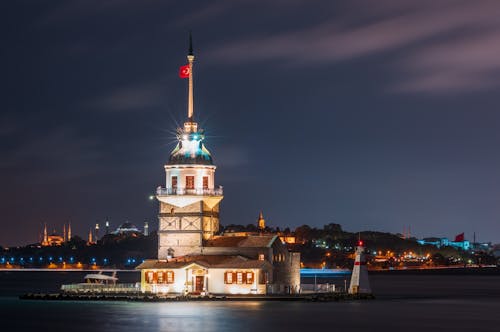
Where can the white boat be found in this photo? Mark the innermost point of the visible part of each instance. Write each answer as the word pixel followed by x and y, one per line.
pixel 101 278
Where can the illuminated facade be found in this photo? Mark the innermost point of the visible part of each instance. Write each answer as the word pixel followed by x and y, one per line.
pixel 189 202
pixel 192 258
pixel 55 239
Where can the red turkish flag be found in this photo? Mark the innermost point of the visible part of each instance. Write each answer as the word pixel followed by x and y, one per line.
pixel 460 237
pixel 184 71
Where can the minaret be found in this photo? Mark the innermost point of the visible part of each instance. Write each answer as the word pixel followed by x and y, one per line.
pixel 189 203
pixel 146 228
pixel 261 222
pixel 359 278
pixel 69 231
pixel 64 232
pixel 107 227
pixel 45 241
pixel 90 240
pixel 96 232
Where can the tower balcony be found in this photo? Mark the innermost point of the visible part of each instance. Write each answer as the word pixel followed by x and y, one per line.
pixel 189 192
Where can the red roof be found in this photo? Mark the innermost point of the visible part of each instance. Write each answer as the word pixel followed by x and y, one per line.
pixel 208 261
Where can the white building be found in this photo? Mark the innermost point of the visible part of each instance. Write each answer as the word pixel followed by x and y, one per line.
pixel 191 257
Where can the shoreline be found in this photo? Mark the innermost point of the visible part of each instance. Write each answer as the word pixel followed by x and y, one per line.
pixel 64 270
pixel 485 270
pixel 141 297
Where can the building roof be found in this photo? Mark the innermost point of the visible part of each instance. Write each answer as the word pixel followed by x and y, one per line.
pixel 127 227
pixel 250 241
pixel 190 152
pixel 208 261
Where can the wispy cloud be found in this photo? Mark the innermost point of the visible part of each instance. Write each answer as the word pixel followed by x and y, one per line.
pixel 75 9
pixel 58 155
pixel 130 98
pixel 436 46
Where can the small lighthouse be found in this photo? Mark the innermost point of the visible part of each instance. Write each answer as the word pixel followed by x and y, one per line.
pixel 359 279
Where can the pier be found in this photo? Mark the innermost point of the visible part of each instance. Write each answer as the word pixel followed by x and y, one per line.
pixel 141 297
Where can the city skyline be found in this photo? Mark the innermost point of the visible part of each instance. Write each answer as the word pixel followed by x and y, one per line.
pixel 372 116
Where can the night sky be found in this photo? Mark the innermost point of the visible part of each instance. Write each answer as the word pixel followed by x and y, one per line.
pixel 372 114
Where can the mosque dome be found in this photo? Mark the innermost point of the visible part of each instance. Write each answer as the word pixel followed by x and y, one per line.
pixel 126 227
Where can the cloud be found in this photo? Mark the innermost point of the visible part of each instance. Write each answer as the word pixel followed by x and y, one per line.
pixel 213 9
pixel 132 98
pixel 444 46
pixel 74 9
pixel 56 156
pixel 469 64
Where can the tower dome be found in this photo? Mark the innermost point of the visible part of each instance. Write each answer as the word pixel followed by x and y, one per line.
pixel 190 149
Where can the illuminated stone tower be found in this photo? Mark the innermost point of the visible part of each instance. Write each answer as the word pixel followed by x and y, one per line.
pixel 189 203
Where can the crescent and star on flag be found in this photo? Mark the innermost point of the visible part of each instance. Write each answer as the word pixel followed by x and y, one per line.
pixel 184 71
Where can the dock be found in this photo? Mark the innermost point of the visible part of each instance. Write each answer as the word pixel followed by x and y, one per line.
pixel 142 297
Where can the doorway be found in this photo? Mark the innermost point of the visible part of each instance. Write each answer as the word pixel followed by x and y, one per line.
pixel 198 283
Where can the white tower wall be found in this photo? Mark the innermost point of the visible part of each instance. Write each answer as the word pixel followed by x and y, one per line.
pixel 182 171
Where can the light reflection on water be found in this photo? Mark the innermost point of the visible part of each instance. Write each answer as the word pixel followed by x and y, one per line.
pixel 392 315
pixel 409 303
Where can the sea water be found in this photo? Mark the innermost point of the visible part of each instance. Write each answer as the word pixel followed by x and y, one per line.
pixel 404 303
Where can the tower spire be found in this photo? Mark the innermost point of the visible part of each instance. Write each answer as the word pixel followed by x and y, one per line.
pixel 190 44
pixel 190 58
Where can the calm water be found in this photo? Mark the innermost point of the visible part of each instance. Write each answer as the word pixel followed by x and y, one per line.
pixel 404 303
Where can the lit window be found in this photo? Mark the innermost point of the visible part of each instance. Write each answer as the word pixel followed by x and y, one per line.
pixel 150 277
pixel 205 182
pixel 189 182
pixel 229 277
pixel 249 278
pixel 170 277
pixel 261 257
pixel 239 278
pixel 160 277
pixel 174 182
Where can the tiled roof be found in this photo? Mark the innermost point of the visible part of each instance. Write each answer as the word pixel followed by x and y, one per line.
pixel 209 261
pixel 252 241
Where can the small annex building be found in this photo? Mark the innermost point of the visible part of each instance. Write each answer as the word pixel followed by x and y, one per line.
pixel 251 264
pixel 192 257
pixel 206 274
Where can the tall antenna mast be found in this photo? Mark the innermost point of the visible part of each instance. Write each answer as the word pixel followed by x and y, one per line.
pixel 190 58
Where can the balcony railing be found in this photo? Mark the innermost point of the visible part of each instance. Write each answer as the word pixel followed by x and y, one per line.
pixel 185 191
